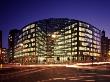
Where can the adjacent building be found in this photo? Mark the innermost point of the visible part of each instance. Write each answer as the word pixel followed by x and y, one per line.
pixel 108 50
pixel 5 55
pixel 11 43
pixel 0 46
pixel 57 40
pixel 105 47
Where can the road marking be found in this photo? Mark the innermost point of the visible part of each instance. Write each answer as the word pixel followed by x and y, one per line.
pixel 19 71
pixel 59 78
pixel 104 75
pixel 90 80
pixel 73 79
pixel 25 72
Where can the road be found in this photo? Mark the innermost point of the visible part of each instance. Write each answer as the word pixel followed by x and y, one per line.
pixel 53 73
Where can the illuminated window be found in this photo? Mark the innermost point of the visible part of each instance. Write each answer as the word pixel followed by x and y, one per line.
pixel 69 31
pixel 95 42
pixel 29 45
pixel 75 29
pixel 28 27
pixel 73 25
pixel 81 48
pixel 24 29
pixel 23 33
pixel 27 32
pixel 69 27
pixel 29 36
pixel 89 31
pixel 80 24
pixel 75 33
pixel 81 38
pixel 62 30
pixel 69 53
pixel 88 35
pixel 75 52
pixel 20 36
pixel 81 29
pixel 32 25
pixel 66 32
pixel 34 35
pixel 33 39
pixel 81 34
pixel 75 38
pixel 95 46
pixel 32 30
pixel 83 24
pixel 75 43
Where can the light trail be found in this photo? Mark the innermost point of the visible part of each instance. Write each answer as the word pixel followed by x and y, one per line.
pixel 76 65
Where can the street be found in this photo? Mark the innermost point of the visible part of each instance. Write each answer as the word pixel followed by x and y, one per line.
pixel 57 73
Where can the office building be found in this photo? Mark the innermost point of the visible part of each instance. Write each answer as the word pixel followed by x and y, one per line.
pixel 58 40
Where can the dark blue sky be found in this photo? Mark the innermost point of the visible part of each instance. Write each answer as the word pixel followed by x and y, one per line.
pixel 18 13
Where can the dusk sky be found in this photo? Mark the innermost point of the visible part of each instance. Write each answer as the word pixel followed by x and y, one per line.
pixel 18 13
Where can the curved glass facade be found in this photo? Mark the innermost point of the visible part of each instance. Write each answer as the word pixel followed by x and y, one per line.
pixel 30 44
pixel 73 42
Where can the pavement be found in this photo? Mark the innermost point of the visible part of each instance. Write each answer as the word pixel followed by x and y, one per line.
pixel 58 73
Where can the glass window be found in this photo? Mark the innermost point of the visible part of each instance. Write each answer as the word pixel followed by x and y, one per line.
pixel 83 24
pixel 34 35
pixel 69 27
pixel 75 43
pixel 66 32
pixel 24 29
pixel 29 36
pixel 81 29
pixel 32 25
pixel 26 32
pixel 89 31
pixel 88 35
pixel 32 30
pixel 73 25
pixel 28 27
pixel 33 39
pixel 75 29
pixel 75 33
pixel 69 31
pixel 81 48
pixel 81 38
pixel 75 52
pixel 33 44
pixel 66 27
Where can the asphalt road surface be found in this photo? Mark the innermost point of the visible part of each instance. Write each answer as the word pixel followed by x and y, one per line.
pixel 56 74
